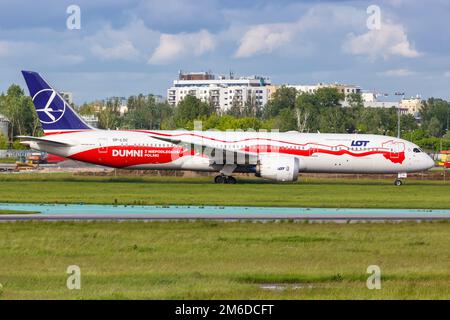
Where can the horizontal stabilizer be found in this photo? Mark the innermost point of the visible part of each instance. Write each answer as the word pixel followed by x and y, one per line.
pixel 45 141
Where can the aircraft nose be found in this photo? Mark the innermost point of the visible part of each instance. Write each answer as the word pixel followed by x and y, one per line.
pixel 429 162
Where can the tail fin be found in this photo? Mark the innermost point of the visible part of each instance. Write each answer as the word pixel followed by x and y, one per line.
pixel 54 113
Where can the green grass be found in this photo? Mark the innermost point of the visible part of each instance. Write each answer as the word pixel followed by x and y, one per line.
pixel 8 160
pixel 224 260
pixel 66 188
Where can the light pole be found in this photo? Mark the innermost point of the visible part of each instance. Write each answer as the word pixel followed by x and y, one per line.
pixel 398 112
pixel 448 115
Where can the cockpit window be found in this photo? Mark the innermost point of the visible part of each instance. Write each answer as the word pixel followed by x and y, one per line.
pixel 417 150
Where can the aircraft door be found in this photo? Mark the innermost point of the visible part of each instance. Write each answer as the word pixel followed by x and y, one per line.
pixel 103 145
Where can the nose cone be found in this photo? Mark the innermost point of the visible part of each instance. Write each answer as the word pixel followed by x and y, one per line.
pixel 429 162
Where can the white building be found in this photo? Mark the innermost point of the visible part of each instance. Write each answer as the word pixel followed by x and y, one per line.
pixel 346 89
pixel 158 98
pixel 407 105
pixel 305 88
pixel 68 96
pixel 222 92
pixel 91 120
pixel 120 102
pixel 381 104
pixel 370 100
pixel 4 126
pixel 412 105
pixel 369 96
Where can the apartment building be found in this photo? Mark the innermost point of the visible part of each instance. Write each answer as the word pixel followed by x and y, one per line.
pixel 4 126
pixel 222 92
pixel 346 89
pixel 412 105
pixel 68 96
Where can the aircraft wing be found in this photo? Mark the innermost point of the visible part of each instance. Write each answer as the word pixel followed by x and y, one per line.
pixel 44 141
pixel 216 155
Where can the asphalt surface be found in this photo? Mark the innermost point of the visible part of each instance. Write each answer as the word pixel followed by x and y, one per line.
pixel 256 217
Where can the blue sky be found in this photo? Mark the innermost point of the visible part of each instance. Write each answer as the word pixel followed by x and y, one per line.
pixel 134 46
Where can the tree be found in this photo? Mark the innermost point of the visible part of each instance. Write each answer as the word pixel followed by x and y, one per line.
pixel 3 142
pixel 19 109
pixel 302 119
pixel 323 110
pixel 283 98
pixel 108 117
pixel 408 122
pixel 332 120
pixel 87 109
pixel 434 127
pixel 355 100
pixel 251 107
pixel 329 97
pixel 434 113
pixel 285 121
pixel 18 146
pixel 235 110
pixel 145 113
pixel 190 109
pixel 307 104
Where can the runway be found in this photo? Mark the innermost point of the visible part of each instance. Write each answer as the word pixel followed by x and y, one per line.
pixel 70 212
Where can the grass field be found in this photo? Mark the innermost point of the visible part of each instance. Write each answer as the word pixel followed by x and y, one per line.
pixel 224 260
pixel 66 188
pixel 8 160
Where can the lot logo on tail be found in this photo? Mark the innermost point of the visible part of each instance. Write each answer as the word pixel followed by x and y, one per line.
pixel 50 105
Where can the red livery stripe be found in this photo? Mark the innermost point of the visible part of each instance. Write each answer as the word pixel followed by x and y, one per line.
pixel 121 156
pixel 125 156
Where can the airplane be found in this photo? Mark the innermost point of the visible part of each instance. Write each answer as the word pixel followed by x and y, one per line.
pixel 276 156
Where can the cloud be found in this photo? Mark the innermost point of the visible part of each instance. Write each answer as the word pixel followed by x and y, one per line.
pixel 319 22
pixel 390 40
pixel 130 42
pixel 447 74
pixel 15 48
pixel 124 50
pixel 175 46
pixel 265 38
pixel 398 73
pixel 4 48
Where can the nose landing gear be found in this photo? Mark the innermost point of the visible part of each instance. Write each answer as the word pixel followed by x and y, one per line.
pixel 225 179
pixel 398 181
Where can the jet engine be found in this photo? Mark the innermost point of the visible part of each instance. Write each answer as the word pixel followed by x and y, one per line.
pixel 278 168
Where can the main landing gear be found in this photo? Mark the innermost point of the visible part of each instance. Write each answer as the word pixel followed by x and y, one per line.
pixel 398 182
pixel 225 179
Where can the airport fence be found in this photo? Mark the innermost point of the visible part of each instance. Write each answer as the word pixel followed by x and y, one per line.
pixel 12 153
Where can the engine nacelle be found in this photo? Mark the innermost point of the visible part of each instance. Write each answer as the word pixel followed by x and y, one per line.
pixel 278 168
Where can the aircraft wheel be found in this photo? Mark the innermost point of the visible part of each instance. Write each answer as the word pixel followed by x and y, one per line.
pixel 398 182
pixel 220 179
pixel 231 180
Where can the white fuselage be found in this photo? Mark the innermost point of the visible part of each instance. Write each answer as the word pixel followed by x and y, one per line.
pixel 330 153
